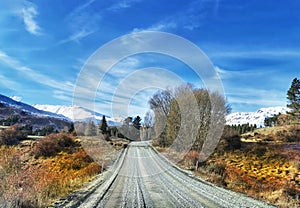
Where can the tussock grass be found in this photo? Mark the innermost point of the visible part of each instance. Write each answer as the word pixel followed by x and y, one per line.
pixel 34 175
pixel 266 168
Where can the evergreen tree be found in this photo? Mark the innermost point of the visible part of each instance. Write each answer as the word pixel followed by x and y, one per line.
pixel 134 129
pixel 293 96
pixel 127 121
pixel 103 126
pixel 137 122
pixel 72 128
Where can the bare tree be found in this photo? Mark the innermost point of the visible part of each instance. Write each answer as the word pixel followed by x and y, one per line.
pixel 194 118
pixel 160 104
pixel 161 101
pixel 149 119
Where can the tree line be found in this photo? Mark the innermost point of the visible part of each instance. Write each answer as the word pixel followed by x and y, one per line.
pixel 244 128
pixel 129 129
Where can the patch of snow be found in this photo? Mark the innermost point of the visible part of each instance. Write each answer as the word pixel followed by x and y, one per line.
pixel 257 117
pixel 28 108
pixel 77 113
pixel 16 98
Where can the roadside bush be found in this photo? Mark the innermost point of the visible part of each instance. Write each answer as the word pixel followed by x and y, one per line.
pixel 290 135
pixel 38 183
pixel 259 150
pixel 230 140
pixel 53 144
pixel 12 136
pixel 216 168
pixel 293 134
pixel 191 158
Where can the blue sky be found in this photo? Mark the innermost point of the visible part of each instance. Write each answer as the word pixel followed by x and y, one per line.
pixel 254 45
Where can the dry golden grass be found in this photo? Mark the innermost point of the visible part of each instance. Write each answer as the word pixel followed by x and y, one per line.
pixel 29 180
pixel 265 168
pixel 278 134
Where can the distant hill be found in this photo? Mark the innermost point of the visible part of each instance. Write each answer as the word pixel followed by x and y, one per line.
pixel 77 113
pixel 26 114
pixel 257 117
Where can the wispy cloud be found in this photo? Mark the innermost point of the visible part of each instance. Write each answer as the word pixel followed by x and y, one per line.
pixel 81 22
pixel 29 14
pixel 191 17
pixel 133 91
pixel 255 97
pixel 123 4
pixel 256 53
pixel 239 74
pixel 76 37
pixel 33 75
pixel 241 95
pixel 82 7
pixel 125 89
pixel 10 84
pixel 161 26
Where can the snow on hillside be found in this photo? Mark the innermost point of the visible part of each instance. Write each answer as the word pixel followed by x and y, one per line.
pixel 257 117
pixel 78 113
pixel 28 108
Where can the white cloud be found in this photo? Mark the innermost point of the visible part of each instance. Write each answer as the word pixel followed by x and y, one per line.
pixel 259 100
pixel 81 22
pixel 62 95
pixel 240 74
pixel 190 17
pixel 255 96
pixel 125 89
pixel 82 7
pixel 254 54
pixel 130 94
pixel 239 94
pixel 161 26
pixel 6 82
pixel 123 4
pixel 33 75
pixel 76 37
pixel 29 13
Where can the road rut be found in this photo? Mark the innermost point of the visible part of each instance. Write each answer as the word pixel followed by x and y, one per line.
pixel 141 177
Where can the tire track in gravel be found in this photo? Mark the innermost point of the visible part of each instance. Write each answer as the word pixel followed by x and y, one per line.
pixel 142 177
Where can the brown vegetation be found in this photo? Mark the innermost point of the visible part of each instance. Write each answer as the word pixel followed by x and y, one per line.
pixel 11 136
pixel 35 175
pixel 262 168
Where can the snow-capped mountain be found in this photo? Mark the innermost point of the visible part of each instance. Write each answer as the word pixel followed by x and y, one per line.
pixel 79 113
pixel 28 108
pixel 27 115
pixel 257 117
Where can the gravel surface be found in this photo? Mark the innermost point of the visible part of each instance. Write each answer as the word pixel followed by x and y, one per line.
pixel 142 177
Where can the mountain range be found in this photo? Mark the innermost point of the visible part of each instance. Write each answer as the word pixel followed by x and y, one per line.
pixel 12 112
pixel 236 118
pixel 76 113
pixel 67 114
pixel 257 117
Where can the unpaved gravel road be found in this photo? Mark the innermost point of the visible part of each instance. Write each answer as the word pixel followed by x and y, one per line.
pixel 141 177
